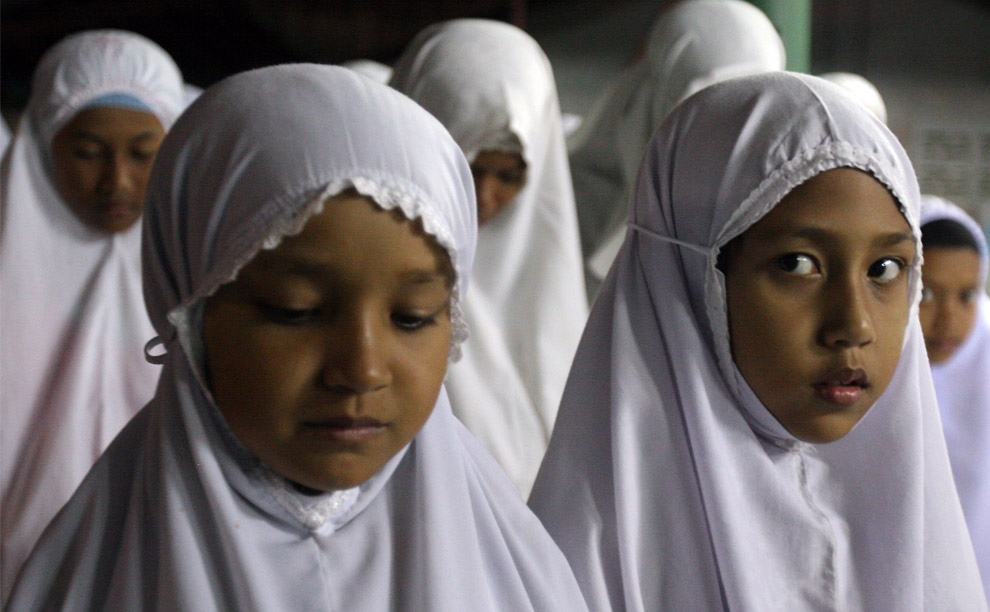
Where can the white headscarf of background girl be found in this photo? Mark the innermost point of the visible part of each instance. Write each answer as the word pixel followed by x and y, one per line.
pixel 72 314
pixel 492 86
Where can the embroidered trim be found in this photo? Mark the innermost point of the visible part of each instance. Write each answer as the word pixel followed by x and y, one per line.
pixel 313 514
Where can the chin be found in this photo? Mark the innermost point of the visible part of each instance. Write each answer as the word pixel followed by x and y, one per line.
pixel 830 428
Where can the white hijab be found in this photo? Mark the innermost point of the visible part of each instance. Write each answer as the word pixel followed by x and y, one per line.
pixel 667 483
pixel 491 85
pixel 4 135
pixel 861 89
pixel 177 515
pixel 71 311
pixel 962 384
pixel 694 44
pixel 375 71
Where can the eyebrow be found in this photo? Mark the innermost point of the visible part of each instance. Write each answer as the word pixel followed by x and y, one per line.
pixel 888 240
pixel 84 135
pixel 312 270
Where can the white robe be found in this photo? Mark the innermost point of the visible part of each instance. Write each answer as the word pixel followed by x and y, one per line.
pixel 490 84
pixel 962 384
pixel 71 312
pixel 667 483
pixel 177 515
pixel 695 43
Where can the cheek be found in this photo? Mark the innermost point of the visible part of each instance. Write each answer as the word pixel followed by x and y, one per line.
pixel 419 376
pixel 970 318
pixel 256 373
pixel 766 325
pixel 926 314
pixel 890 322
pixel 75 179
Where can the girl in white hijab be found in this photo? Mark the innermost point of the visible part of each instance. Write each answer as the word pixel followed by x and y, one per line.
pixel 955 318
pixel 694 44
pixel 491 85
pixel 750 422
pixel 300 452
pixel 72 317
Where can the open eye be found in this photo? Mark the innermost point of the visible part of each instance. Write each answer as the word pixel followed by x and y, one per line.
pixel 798 264
pixel 885 270
pixel 927 295
pixel 516 176
pixel 969 296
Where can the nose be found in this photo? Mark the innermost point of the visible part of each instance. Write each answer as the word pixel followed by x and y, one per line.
pixel 949 317
pixel 486 189
pixel 115 176
pixel 848 322
pixel 357 360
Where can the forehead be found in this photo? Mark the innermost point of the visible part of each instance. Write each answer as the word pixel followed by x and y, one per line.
pixel 844 203
pixel 111 122
pixel 353 237
pixel 496 160
pixel 955 265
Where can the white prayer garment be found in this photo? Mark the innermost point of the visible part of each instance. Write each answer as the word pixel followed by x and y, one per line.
pixel 376 71
pixel 4 135
pixel 190 92
pixel 72 372
pixel 178 514
pixel 861 89
pixel 491 85
pixel 668 484
pixel 962 384
pixel 694 44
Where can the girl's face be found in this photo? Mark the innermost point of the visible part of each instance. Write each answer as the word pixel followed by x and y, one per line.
pixel 326 354
pixel 102 159
pixel 818 302
pixel 498 178
pixel 951 277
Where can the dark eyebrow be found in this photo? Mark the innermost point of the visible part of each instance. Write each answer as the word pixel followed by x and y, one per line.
pixel 895 238
pixel 423 277
pixel 304 268
pixel 889 240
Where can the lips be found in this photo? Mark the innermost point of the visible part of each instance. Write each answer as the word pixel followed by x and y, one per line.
pixel 115 208
pixel 843 387
pixel 345 430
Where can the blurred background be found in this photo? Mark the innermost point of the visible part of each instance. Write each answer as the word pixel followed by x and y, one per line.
pixel 930 59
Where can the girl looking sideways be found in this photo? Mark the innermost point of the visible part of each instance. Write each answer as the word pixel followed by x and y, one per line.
pixel 750 421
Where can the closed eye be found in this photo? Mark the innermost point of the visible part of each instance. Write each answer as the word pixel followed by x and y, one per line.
pixel 288 316
pixel 410 322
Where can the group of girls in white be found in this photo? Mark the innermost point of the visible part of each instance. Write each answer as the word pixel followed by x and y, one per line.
pixel 306 350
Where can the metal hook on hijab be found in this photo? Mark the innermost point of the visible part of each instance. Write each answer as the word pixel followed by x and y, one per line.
pixel 154 342
pixel 694 247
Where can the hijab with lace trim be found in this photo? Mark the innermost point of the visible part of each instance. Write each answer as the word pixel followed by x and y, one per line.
pixel 694 43
pixel 71 310
pixel 962 384
pixel 491 85
pixel 667 483
pixel 177 514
